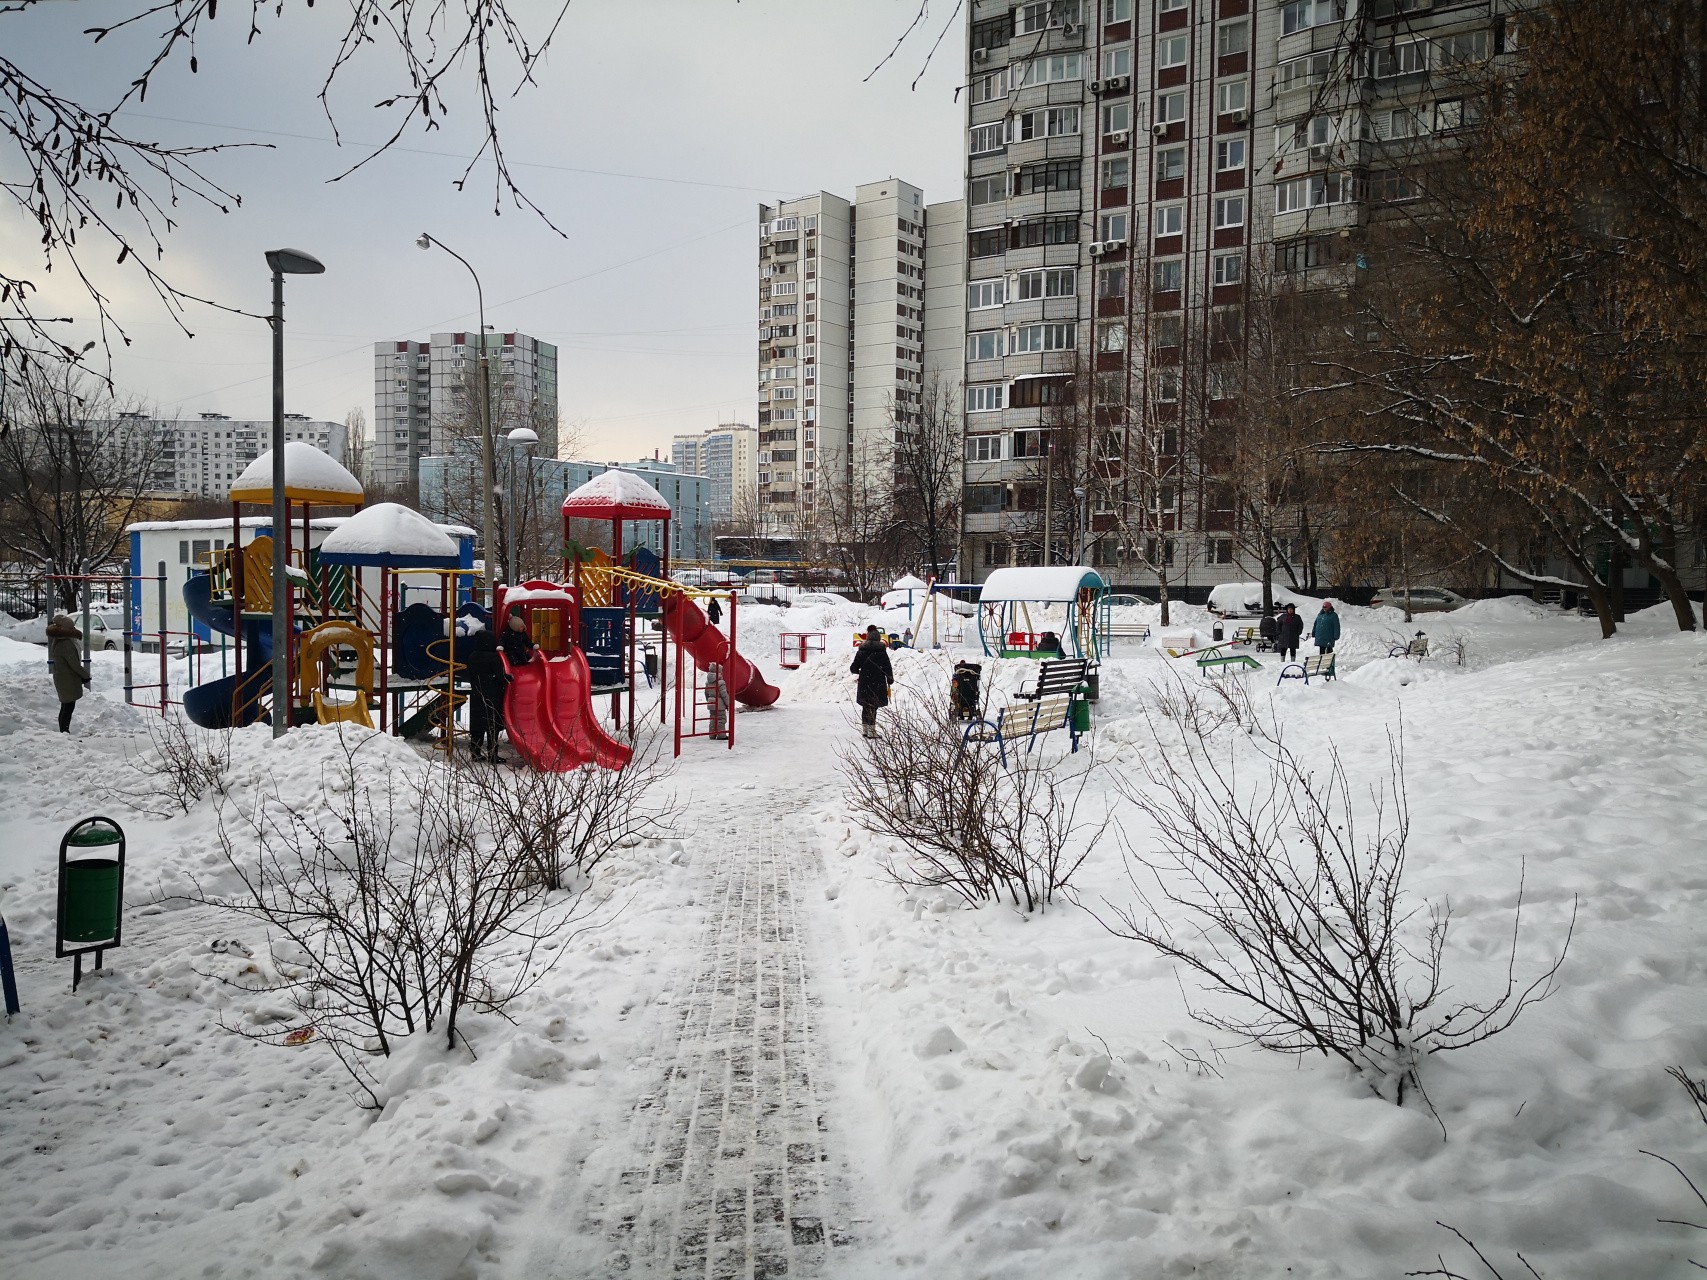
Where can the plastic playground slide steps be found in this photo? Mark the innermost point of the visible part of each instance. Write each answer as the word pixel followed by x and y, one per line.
pixel 548 712
pixel 688 627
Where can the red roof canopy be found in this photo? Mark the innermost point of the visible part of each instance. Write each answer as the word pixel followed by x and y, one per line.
pixel 616 495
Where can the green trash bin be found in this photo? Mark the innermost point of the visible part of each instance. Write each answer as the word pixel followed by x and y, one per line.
pixel 1081 711
pixel 91 891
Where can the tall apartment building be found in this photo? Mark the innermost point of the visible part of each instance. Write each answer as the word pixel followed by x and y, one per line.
pixel 843 323
pixel 728 457
pixel 201 457
pixel 425 397
pixel 1134 168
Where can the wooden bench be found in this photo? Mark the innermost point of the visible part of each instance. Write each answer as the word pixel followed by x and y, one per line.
pixel 1139 631
pixel 1044 709
pixel 1417 648
pixel 1223 661
pixel 1317 664
pixel 1246 635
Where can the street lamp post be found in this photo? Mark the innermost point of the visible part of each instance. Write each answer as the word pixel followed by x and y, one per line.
pixel 284 262
pixel 524 439
pixel 488 530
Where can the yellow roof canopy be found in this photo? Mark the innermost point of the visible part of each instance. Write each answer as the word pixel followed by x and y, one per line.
pixel 310 476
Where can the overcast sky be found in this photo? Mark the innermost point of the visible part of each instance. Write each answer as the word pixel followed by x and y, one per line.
pixel 655 129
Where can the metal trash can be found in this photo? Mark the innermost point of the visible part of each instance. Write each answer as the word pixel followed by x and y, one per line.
pixel 1081 710
pixel 1217 632
pixel 91 891
pixel 1093 685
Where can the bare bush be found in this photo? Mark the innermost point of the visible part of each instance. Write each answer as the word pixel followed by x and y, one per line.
pixel 182 765
pixel 1273 894
pixel 1202 708
pixel 560 826
pixel 390 910
pixel 969 825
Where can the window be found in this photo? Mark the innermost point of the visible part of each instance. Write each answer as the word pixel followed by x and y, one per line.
pixel 1227 324
pixel 1112 226
pixel 1169 275
pixel 785 288
pixel 1227 268
pixel 1168 6
pixel 1055 282
pixel 1116 173
pixel 1168 220
pixel 1170 163
pixel 1046 231
pixel 986 243
pixel 1402 58
pixel 1111 337
pixel 1171 51
pixel 985 397
pixel 1027 444
pixel 981 294
pixel 1117 10
pixel 1231 38
pixel 1053 175
pixel 1170 108
pixel 1230 96
pixel 1166 330
pixel 1302 73
pixel 1229 154
pixel 989 87
pixel 1111 282
pixel 1117 117
pixel 1053 122
pixel 984 346
pixel 986 499
pixel 1229 212
pixel 1300 15
pixel 1042 14
pixel 1401 122
pixel 1117 62
pixel 1037 393
pixel 1220 551
pixel 1313 192
pixel 992 33
pixel 1305 253
pixel 783 393
pixel 1390 186
pixel 1164 385
pixel 1030 339
pixel 988 137
pixel 1463 48
pixel 984 448
pixel 1456 113
pixel 988 190
pixel 1057 67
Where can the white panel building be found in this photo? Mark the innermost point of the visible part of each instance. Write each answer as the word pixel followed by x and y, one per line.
pixel 728 457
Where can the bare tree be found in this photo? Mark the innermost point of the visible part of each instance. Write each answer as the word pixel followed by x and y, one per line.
pixel 856 523
pixel 356 442
pixel 929 472
pixel 75 469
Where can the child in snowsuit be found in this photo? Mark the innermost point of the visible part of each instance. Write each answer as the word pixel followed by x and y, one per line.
pixel 717 699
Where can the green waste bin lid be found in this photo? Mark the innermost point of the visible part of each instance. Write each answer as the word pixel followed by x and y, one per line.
pixel 91 836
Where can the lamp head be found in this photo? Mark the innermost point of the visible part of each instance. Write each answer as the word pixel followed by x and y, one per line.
pixel 294 262
pixel 424 241
pixel 523 435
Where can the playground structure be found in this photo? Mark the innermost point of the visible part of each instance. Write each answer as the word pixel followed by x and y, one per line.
pixel 378 608
pixel 1007 629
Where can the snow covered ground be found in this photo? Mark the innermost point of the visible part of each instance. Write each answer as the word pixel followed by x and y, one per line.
pixel 949 1092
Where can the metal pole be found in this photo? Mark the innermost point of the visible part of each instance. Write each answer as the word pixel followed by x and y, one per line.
pixel 189 637
pixel 1049 504
pixel 281 531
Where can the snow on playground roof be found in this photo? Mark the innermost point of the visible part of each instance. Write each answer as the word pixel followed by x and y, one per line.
pixel 392 536
pixel 907 582
pixel 616 495
pixel 1057 582
pixel 310 476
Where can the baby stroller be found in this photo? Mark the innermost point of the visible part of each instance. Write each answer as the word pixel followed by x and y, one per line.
pixel 963 689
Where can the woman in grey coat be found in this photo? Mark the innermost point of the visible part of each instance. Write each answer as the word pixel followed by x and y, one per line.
pixel 70 673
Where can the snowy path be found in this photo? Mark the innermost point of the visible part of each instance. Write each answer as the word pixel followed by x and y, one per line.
pixel 731 1166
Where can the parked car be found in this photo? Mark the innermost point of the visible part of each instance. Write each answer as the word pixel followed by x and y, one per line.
pixel 1423 599
pixel 34 631
pixel 819 598
pixel 1127 601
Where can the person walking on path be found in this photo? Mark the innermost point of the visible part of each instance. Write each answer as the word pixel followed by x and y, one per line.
pixel 1291 631
pixel 1325 631
pixel 714 612
pixel 70 673
pixel 871 664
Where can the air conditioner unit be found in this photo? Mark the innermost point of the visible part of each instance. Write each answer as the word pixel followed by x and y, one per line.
pixel 1113 246
pixel 1096 248
pixel 1239 117
pixel 1116 84
pixel 1069 30
pixel 980 55
pixel 1160 129
pixel 1096 86
pixel 1120 137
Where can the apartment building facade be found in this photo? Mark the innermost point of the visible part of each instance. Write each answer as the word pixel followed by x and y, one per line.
pixel 201 457
pixel 728 458
pixel 1134 169
pixel 847 328
pixel 425 394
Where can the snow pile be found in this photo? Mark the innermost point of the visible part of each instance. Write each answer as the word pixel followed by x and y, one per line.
pixel 616 492
pixel 391 528
pixel 306 469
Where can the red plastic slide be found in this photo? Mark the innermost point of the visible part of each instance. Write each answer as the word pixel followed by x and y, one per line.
pixel 548 711
pixel 687 626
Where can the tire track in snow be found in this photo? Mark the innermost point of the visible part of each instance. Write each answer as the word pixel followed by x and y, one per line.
pixel 733 1170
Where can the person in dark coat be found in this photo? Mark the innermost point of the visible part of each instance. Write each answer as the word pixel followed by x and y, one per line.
pixel 714 612
pixel 517 644
pixel 1268 630
pixel 1325 631
pixel 70 673
pixel 486 681
pixel 871 664
pixel 1291 631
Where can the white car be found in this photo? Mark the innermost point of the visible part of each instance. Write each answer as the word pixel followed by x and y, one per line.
pixel 1423 599
pixel 34 631
pixel 818 598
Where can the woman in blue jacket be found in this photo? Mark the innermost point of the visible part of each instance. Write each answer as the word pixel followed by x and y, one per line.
pixel 1326 630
